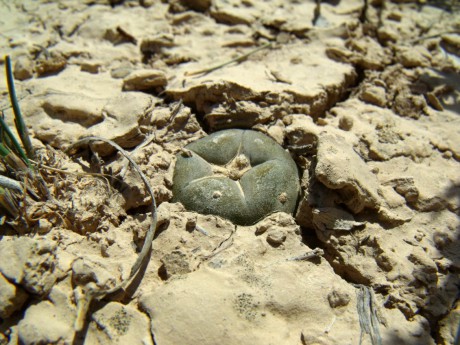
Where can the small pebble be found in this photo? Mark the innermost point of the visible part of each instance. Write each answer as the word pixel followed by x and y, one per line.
pixel 346 122
pixel 23 68
pixel 276 237
pixel 338 298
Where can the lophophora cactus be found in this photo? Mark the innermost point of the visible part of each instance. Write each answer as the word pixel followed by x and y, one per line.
pixel 241 175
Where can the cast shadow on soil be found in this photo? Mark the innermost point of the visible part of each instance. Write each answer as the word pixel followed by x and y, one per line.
pixel 442 291
pixel 396 339
pixel 448 80
pixel 449 247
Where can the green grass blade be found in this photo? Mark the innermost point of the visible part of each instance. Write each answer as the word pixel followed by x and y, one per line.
pixel 4 139
pixel 4 151
pixel 15 142
pixel 11 159
pixel 18 119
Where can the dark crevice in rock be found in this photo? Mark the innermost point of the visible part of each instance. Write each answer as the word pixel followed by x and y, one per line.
pixel 310 239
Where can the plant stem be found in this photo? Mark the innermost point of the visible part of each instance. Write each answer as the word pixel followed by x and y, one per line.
pixel 15 142
pixel 18 119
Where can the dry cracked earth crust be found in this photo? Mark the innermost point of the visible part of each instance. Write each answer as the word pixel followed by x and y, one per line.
pixel 363 94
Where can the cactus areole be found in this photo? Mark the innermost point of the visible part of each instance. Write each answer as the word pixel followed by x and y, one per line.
pixel 240 175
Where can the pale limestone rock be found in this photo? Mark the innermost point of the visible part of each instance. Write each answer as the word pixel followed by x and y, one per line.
pixel 374 95
pixel 76 108
pixel 302 131
pixel 123 115
pixel 29 263
pixel 250 311
pixel 119 324
pixel 449 325
pixel 276 237
pixel 49 321
pixel 12 298
pixel 340 167
pixel 91 271
pixel 338 298
pixel 23 68
pixel 174 263
pixel 141 80
pixel 414 56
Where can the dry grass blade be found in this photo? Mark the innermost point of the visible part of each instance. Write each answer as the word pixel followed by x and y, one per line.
pixel 237 59
pixel 367 313
pixel 88 294
pixel 10 183
pixel 9 202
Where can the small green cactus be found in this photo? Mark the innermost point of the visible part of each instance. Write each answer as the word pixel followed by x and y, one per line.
pixel 241 175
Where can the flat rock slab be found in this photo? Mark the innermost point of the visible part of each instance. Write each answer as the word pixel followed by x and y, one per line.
pixel 67 106
pixel 241 296
pixel 278 83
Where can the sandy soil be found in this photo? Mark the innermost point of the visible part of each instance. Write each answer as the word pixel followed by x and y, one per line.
pixel 364 95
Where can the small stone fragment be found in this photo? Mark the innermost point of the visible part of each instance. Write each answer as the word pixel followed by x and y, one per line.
pixel 277 132
pixel 116 323
pixel 414 57
pixel 29 263
pixel 122 71
pixel 338 298
pixel 141 80
pixel 451 43
pixel 329 218
pixel 302 131
pixel 262 227
pixel 49 321
pixel 408 105
pixel 44 226
pixel 175 262
pixel 197 5
pixel 346 122
pixel 449 326
pixel 434 101
pixel 92 271
pixel 276 237
pixel 156 44
pixel 90 67
pixel 405 186
pixel 232 15
pixel 341 168
pixel 190 224
pixel 375 95
pixel 77 108
pixel 160 117
pixel 12 298
pixel 51 63
pixel 387 34
pixel 23 68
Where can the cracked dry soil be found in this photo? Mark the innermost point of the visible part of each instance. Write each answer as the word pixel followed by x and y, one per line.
pixel 363 94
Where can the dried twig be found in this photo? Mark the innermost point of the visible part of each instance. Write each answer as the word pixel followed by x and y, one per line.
pixel 67 172
pixel 237 59
pixel 417 40
pixel 315 253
